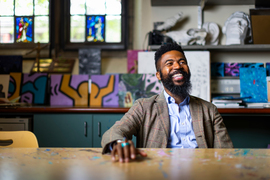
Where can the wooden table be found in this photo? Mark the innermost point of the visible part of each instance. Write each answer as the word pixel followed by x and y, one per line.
pixel 88 163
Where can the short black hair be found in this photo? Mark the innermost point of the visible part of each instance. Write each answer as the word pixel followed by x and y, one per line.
pixel 165 48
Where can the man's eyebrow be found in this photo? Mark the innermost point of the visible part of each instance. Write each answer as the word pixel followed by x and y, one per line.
pixel 181 59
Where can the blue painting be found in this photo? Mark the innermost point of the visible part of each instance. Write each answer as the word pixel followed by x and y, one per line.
pixel 251 65
pixel 217 69
pixel 253 84
pixel 34 88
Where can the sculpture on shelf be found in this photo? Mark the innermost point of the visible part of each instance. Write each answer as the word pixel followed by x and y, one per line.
pixel 191 36
pixel 213 31
pixel 237 29
pixel 170 22
pixel 206 33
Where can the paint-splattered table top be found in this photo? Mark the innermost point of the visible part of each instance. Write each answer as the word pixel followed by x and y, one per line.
pixel 88 163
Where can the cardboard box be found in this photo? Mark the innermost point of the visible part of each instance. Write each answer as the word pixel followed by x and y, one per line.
pixel 260 25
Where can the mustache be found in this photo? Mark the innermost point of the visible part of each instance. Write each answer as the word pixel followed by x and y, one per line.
pixel 178 72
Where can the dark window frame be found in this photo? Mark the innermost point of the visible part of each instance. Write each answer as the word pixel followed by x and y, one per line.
pixel 65 29
pixel 32 45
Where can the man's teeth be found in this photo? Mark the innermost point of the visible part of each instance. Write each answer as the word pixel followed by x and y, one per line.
pixel 177 75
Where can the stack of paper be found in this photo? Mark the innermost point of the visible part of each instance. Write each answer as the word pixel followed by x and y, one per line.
pixel 227 103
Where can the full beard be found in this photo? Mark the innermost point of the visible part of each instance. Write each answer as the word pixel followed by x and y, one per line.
pixel 179 90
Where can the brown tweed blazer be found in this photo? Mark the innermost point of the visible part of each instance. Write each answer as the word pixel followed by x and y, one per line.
pixel 148 119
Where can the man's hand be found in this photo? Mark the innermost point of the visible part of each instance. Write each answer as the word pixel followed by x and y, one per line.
pixel 125 151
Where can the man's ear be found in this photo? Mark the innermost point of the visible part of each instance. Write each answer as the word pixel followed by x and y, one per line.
pixel 158 75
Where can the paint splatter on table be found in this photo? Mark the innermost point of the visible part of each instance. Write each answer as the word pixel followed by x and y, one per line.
pixel 88 163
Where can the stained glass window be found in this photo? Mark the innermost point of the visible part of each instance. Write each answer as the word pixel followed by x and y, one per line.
pixel 96 21
pixel 24 21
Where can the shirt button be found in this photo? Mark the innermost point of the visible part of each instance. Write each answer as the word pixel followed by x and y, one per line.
pixel 184 139
pixel 183 124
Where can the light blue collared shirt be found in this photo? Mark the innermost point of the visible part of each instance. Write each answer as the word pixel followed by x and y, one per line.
pixel 181 130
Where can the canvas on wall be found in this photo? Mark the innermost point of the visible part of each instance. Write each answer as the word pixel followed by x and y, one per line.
pixel 10 64
pixel 135 86
pixel 89 61
pixel 217 69
pixel 69 89
pixel 34 88
pixel 4 84
pixel 232 69
pixel 253 84
pixel 14 90
pixel 132 61
pixel 104 90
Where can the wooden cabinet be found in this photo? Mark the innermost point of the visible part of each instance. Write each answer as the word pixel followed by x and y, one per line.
pixel 63 130
pixel 101 123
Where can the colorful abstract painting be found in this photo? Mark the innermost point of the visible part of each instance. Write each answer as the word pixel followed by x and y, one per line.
pixel 34 88
pixel 251 65
pixel 71 90
pixel 132 58
pixel 267 69
pixel 10 64
pixel 231 69
pixel 14 89
pixel 4 84
pixel 135 86
pixel 95 28
pixel 104 90
pixel 217 69
pixel 24 29
pixel 253 84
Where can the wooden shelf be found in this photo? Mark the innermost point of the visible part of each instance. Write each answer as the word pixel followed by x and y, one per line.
pixel 197 2
pixel 82 110
pixel 236 48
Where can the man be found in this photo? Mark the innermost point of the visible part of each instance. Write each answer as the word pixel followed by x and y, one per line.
pixel 172 119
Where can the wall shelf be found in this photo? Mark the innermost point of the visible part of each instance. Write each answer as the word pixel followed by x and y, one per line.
pixel 197 2
pixel 236 48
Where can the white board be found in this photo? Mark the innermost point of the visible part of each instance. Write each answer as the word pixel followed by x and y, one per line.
pixel 199 64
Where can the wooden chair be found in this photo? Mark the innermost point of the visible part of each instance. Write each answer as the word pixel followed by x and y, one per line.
pixel 20 139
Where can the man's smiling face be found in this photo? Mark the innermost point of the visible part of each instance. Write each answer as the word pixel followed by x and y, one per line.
pixel 174 73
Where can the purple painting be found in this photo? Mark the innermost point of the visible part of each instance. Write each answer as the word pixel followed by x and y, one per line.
pixel 104 90
pixel 69 90
pixel 232 69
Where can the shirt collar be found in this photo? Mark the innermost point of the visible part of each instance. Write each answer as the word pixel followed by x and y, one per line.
pixel 170 99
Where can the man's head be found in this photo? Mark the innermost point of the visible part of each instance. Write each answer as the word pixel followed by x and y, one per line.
pixel 165 48
pixel 173 70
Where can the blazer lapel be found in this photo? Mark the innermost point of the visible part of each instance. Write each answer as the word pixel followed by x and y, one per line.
pixel 197 122
pixel 163 112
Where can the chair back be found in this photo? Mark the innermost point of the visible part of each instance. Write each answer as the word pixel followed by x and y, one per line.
pixel 18 139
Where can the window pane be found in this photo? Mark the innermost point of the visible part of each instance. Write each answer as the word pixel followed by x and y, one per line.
pixel 113 7
pixel 24 29
pixel 24 7
pixel 6 29
pixel 77 7
pixel 113 28
pixel 77 28
pixel 95 28
pixel 6 7
pixel 41 7
pixel 95 6
pixel 42 29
